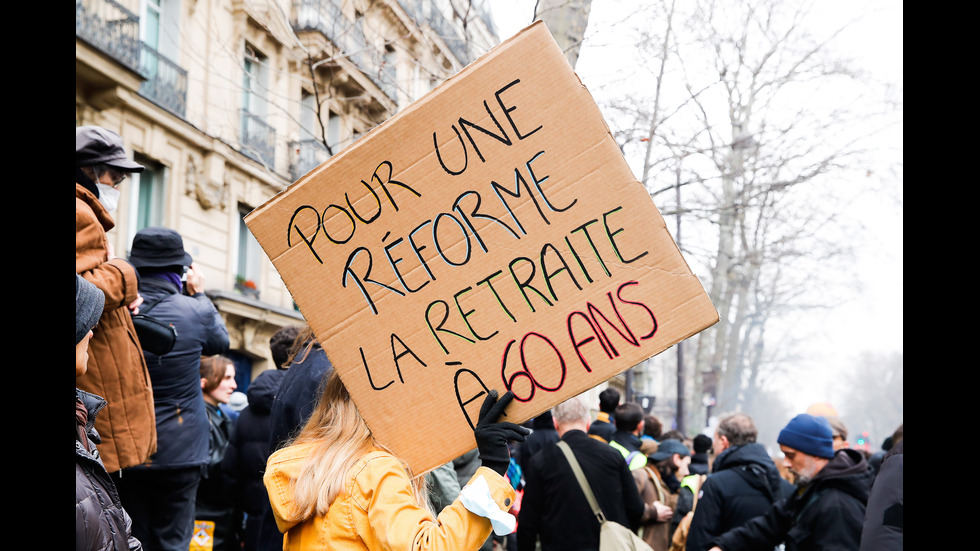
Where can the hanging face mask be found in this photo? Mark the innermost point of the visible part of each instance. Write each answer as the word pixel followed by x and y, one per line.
pixel 109 197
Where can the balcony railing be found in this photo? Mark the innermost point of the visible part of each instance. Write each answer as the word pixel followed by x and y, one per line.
pixel 110 27
pixel 258 139
pixel 448 33
pixel 307 155
pixel 166 82
pixel 326 17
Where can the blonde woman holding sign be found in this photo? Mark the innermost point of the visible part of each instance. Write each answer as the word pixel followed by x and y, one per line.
pixel 335 487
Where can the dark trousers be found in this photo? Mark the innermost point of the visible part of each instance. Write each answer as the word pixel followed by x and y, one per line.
pixel 161 504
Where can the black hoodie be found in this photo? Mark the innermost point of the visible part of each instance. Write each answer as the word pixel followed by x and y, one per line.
pixel 744 483
pixel 826 513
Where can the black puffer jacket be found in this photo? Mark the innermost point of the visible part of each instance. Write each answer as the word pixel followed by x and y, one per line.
pixel 745 483
pixel 100 520
pixel 827 513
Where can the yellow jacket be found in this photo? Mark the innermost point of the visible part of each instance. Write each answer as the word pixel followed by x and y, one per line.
pixel 377 510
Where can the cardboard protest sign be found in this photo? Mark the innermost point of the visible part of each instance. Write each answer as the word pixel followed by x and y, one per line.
pixel 489 236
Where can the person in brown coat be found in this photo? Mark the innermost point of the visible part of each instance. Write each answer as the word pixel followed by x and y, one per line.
pixel 116 368
pixel 658 486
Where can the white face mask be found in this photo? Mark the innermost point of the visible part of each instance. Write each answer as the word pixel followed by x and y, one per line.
pixel 109 197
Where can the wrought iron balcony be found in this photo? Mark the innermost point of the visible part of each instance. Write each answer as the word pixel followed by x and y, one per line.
pixel 306 155
pixel 110 27
pixel 325 16
pixel 166 82
pixel 258 139
pixel 448 33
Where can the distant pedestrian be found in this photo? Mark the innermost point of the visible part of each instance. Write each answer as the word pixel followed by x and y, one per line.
pixel 626 439
pixel 699 460
pixel 543 436
pixel 605 424
pixel 839 431
pixel 886 446
pixel 653 430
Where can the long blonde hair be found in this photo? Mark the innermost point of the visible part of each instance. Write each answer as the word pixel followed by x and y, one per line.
pixel 340 438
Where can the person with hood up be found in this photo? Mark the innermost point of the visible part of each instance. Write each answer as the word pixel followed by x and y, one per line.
pixel 116 369
pixel 336 487
pixel 744 482
pixel 826 509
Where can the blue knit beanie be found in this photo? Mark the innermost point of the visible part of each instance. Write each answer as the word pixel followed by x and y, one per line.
pixel 809 434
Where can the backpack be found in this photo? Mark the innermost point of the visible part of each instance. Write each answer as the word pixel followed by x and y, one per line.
pixel 679 540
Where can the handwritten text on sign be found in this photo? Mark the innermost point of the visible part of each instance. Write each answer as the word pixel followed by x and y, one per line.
pixel 454 237
pixel 490 235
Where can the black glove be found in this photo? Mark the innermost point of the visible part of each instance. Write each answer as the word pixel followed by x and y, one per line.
pixel 492 437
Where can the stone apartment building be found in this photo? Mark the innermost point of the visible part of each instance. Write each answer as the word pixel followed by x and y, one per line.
pixel 227 102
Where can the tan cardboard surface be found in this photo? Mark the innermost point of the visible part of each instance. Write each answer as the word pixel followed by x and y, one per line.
pixel 491 235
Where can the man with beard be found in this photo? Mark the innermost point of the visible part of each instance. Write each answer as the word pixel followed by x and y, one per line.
pixel 826 510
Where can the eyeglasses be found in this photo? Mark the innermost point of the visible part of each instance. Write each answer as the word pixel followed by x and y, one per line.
pixel 117 176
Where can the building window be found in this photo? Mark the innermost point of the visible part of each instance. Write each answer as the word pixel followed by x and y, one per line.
pixel 255 77
pixel 147 196
pixel 249 257
pixel 258 137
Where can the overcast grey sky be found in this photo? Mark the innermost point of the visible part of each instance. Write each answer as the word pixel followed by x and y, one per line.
pixel 872 319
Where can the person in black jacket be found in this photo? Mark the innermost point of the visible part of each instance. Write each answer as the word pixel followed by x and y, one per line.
pixel 307 371
pixel 884 520
pixel 101 522
pixel 248 451
pixel 554 508
pixel 160 494
pixel 827 508
pixel 744 482
pixel 700 463
pixel 543 436
pixel 605 425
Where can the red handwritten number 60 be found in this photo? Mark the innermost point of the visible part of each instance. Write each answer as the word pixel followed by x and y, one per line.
pixel 509 381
